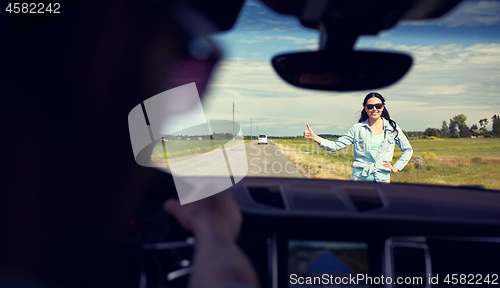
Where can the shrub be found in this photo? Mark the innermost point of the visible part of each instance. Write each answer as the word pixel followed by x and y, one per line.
pixel 477 160
pixel 409 166
pixel 397 155
pixel 431 166
pixel 432 155
pixel 419 162
pixel 424 154
pixel 157 156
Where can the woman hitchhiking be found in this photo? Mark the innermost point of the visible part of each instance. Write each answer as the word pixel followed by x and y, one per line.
pixel 373 137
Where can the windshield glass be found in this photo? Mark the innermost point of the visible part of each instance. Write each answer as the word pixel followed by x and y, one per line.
pixel 446 106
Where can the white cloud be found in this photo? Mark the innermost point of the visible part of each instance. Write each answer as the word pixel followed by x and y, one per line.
pixel 273 22
pixel 448 80
pixel 291 39
pixel 251 3
pixel 313 43
pixel 383 44
pixel 385 33
pixel 445 81
pixel 260 94
pixel 276 29
pixel 248 41
pixel 247 24
pixel 298 40
pixel 314 47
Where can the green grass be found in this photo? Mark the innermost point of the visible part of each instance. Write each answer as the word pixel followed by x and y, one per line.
pixel 309 146
pixel 461 171
pixel 480 147
pixel 185 147
pixel 456 161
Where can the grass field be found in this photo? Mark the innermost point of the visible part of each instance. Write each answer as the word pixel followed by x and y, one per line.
pixel 450 161
pixel 185 147
pixel 459 147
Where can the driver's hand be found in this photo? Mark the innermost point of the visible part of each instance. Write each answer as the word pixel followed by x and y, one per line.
pixel 216 216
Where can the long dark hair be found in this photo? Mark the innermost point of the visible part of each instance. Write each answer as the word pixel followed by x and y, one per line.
pixel 385 113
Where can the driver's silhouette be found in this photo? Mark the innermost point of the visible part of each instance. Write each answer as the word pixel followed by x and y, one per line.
pixel 70 184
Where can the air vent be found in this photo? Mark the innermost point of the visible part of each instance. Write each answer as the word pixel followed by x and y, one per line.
pixel 267 195
pixel 364 198
pixel 317 202
pixel 314 198
pixel 408 261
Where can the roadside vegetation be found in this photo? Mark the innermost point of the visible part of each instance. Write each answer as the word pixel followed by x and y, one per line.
pixel 185 147
pixel 450 162
pixel 457 128
pixel 453 155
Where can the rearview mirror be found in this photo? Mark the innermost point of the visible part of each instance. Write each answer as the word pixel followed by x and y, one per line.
pixel 346 71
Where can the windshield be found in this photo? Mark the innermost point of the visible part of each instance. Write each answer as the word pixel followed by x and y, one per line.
pixel 446 106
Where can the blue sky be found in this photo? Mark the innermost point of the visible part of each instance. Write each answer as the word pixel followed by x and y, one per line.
pixel 456 71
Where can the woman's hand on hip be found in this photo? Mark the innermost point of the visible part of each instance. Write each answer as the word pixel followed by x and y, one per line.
pixel 388 164
pixel 309 134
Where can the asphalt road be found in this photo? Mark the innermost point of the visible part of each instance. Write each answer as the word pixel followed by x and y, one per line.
pixel 268 161
pixel 260 161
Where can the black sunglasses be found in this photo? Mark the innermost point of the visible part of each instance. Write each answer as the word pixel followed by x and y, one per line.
pixel 378 106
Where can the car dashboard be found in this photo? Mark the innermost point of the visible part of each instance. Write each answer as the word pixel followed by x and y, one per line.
pixel 332 233
pixel 399 231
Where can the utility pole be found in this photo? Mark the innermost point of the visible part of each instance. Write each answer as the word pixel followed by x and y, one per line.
pixel 257 130
pixel 251 136
pixel 164 150
pixel 234 139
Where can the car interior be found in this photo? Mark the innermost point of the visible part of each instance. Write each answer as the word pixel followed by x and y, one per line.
pixel 297 232
pixel 292 227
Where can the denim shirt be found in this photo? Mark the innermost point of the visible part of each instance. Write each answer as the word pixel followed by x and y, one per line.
pixel 361 136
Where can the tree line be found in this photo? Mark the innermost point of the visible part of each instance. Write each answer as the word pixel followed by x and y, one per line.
pixel 457 128
pixel 214 136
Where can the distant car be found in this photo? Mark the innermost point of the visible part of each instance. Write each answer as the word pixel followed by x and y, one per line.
pixel 262 139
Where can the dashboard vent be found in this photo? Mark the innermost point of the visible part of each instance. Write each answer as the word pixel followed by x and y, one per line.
pixel 267 195
pixel 364 198
pixel 409 262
